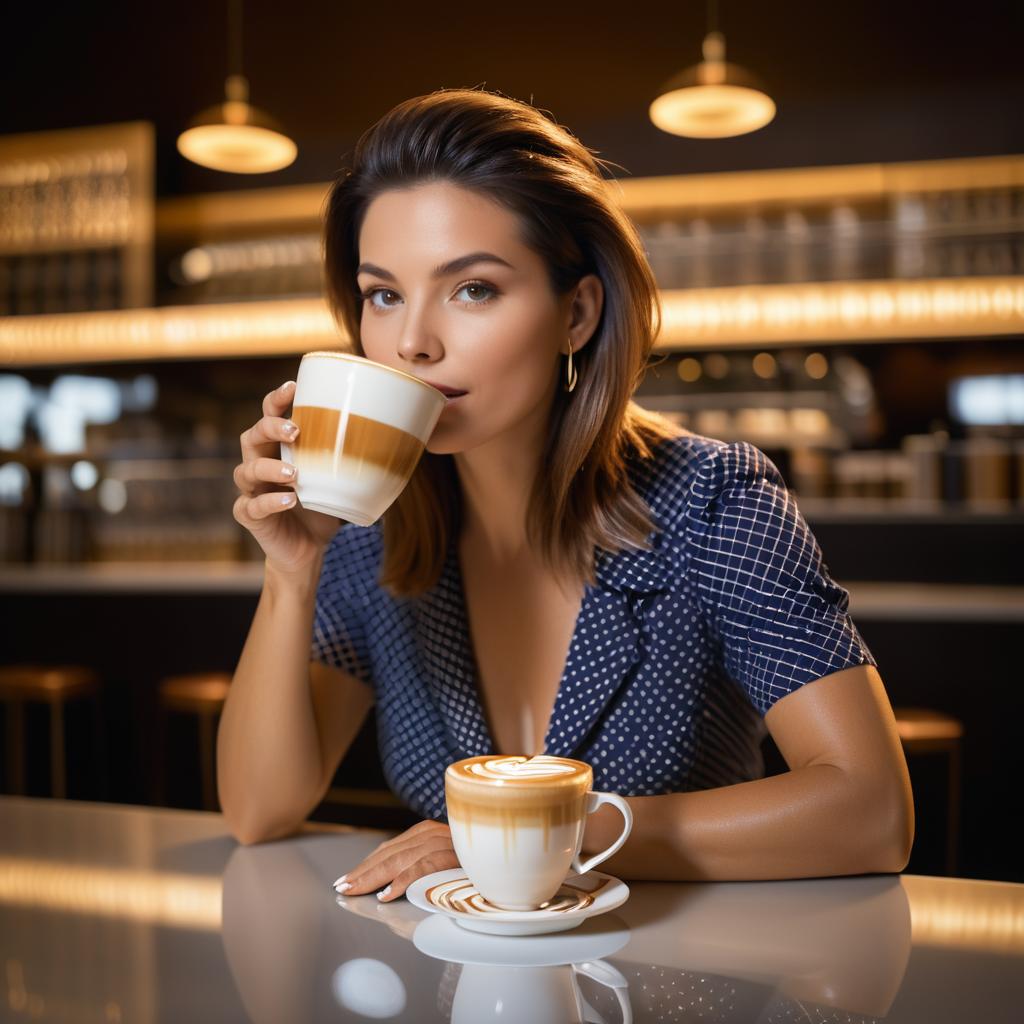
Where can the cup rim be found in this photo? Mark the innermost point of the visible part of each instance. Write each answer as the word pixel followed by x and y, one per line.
pixel 352 357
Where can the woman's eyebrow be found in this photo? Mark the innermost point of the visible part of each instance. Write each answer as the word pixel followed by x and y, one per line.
pixel 452 267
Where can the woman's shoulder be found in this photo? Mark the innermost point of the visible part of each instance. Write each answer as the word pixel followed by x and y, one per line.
pixel 688 472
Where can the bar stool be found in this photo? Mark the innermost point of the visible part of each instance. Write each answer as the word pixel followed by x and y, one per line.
pixel 201 694
pixel 924 731
pixel 53 685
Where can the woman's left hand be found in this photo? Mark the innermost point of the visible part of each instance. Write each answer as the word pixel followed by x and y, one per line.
pixel 398 862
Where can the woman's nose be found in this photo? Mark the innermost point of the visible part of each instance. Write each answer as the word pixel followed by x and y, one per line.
pixel 418 343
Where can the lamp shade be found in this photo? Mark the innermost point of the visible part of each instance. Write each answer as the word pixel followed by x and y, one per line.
pixel 236 136
pixel 712 99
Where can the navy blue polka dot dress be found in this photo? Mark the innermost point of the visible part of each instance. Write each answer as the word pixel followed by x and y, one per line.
pixel 678 652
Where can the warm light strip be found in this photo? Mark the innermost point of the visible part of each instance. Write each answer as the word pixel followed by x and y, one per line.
pixel 273 327
pixel 966 914
pixel 644 197
pixel 149 897
pixel 696 318
pixel 835 311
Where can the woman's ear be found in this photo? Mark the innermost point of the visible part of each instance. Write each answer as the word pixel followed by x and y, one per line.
pixel 587 304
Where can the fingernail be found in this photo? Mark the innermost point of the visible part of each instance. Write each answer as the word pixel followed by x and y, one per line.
pixel 287 499
pixel 343 887
pixel 340 879
pixel 383 893
pixel 288 471
pixel 290 429
pixel 286 385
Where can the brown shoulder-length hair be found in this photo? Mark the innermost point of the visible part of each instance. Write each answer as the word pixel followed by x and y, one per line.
pixel 511 153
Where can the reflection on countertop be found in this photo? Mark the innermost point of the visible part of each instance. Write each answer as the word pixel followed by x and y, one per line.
pixel 112 912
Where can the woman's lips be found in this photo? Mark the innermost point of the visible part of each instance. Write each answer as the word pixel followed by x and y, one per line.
pixel 447 391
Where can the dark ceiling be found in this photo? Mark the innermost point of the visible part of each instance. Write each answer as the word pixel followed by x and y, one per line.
pixel 855 81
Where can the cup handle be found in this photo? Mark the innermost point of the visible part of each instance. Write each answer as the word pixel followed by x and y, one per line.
pixel 611 977
pixel 594 800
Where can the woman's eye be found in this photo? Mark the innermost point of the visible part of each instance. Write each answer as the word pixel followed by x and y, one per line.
pixel 475 288
pixel 369 295
pixel 479 294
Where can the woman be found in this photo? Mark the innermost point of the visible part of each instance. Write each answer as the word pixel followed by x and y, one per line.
pixel 565 572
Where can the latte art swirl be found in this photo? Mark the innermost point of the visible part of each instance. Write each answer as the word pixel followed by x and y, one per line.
pixel 518 773
pixel 521 767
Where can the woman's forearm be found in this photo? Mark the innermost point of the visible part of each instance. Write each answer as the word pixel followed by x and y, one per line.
pixel 269 762
pixel 811 822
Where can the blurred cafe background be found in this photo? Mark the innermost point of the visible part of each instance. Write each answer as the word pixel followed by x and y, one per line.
pixel 835 216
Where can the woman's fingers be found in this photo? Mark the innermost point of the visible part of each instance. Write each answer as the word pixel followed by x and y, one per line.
pixel 261 438
pixel 247 508
pixel 440 860
pixel 418 851
pixel 252 476
pixel 388 859
pixel 278 400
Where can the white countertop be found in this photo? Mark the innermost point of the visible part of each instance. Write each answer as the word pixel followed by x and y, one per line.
pixel 142 914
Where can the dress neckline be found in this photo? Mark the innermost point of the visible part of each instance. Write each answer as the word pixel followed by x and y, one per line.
pixel 454 569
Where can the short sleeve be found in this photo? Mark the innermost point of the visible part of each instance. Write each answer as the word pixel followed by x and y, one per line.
pixel 768 597
pixel 339 634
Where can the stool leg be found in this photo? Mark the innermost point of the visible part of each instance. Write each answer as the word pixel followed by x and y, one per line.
pixel 206 751
pixel 58 779
pixel 15 716
pixel 99 734
pixel 954 809
pixel 161 754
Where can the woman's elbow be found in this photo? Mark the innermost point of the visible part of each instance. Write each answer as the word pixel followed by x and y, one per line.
pixel 893 836
pixel 249 832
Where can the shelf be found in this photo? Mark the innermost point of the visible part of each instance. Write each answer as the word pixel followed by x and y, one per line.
pixel 903 512
pixel 937 602
pixel 257 210
pixel 133 577
pixel 868 600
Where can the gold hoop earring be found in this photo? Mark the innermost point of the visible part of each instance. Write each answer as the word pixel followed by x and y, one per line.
pixel 570 371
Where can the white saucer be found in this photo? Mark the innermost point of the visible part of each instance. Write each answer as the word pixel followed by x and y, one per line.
pixel 440 937
pixel 579 897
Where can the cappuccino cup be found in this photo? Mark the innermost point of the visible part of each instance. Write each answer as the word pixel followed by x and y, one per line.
pixel 517 824
pixel 362 429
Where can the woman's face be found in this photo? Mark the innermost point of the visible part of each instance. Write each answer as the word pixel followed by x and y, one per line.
pixel 491 327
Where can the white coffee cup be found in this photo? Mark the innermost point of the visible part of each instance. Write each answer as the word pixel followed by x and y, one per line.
pixel 517 824
pixel 362 428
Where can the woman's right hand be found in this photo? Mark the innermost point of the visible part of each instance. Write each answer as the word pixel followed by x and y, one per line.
pixel 292 537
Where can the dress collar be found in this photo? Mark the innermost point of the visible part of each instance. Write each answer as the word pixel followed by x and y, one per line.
pixel 635 569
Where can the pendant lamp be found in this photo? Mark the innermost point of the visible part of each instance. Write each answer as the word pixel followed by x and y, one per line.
pixel 235 136
pixel 712 99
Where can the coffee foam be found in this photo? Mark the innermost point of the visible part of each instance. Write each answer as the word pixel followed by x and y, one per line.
pixel 519 769
pixel 512 792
